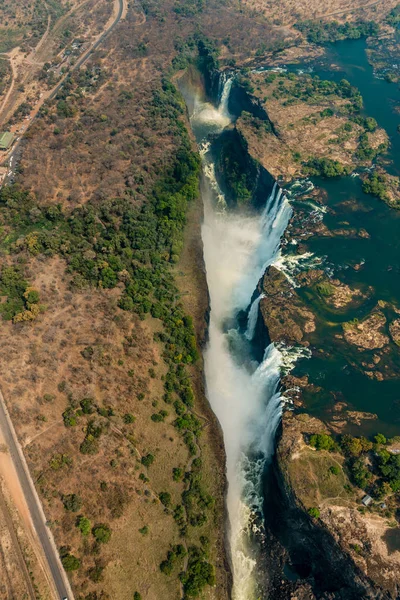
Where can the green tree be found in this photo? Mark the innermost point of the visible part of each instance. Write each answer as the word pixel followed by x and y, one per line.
pixel 84 525
pixel 354 446
pixel 72 502
pixel 129 418
pixel 314 512
pixel 147 460
pixel 165 498
pixel 380 438
pixel 102 533
pixel 70 562
pixel 322 441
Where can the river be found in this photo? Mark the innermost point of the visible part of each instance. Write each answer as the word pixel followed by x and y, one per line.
pixel 243 380
pixel 337 371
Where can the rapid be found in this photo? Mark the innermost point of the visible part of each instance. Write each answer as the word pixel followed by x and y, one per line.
pixel 243 392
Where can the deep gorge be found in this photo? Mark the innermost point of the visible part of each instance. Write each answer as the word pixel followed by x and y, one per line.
pixel 274 545
pixel 242 368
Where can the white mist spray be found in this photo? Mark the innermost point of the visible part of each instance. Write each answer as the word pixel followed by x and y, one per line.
pixel 243 395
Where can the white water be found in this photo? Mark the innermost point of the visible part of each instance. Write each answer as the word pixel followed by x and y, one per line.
pixel 216 118
pixel 252 317
pixel 244 396
pixel 291 264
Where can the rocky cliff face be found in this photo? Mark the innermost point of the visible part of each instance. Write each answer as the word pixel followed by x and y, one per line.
pixel 342 555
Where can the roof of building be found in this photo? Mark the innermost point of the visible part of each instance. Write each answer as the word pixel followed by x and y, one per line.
pixel 366 500
pixel 6 139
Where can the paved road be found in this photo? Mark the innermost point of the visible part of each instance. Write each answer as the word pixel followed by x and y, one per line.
pixel 35 507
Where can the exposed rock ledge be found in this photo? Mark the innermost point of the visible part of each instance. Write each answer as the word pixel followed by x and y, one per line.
pixel 344 554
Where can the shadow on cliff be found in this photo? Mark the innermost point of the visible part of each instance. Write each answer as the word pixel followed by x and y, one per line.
pixel 310 558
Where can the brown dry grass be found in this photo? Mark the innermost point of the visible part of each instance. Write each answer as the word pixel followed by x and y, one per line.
pixel 300 129
pixel 287 12
pixel 41 357
pixel 312 481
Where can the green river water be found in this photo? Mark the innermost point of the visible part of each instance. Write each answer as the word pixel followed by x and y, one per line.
pixel 336 365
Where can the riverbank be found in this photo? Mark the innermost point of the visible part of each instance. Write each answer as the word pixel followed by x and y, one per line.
pixel 190 277
pixel 323 299
pixel 327 292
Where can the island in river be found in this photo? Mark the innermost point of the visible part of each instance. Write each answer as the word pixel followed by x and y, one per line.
pixel 330 138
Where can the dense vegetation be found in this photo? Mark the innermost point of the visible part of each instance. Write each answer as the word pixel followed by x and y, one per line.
pixel 375 184
pixel 22 302
pixel 116 242
pixel 324 167
pixel 369 464
pixel 311 89
pixel 323 32
pixel 237 168
pixel 393 17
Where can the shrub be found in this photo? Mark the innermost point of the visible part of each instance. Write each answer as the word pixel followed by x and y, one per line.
pixel 199 573
pixel 314 512
pixel 165 498
pixel 324 288
pixel 89 445
pixel 322 441
pixel 327 112
pixel 87 406
pixel 147 460
pixel 176 553
pixel 157 418
pixel 101 533
pixel 72 502
pixel 335 470
pixel 58 461
pixel 129 418
pixel 69 417
pixel 177 474
pixel 70 562
pixel 95 574
pixel 84 525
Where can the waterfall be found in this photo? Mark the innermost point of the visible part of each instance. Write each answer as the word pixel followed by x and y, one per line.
pixel 243 394
pixel 252 317
pixel 227 81
pixel 291 264
pixel 208 118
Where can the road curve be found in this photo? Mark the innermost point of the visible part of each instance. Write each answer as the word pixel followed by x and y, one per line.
pixel 44 535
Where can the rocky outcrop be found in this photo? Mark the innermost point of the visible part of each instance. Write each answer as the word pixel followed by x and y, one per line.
pixel 244 181
pixel 343 555
pixel 368 334
pixel 285 315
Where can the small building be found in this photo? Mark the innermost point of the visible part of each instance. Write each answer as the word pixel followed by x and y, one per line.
pixel 366 500
pixel 383 505
pixel 6 139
